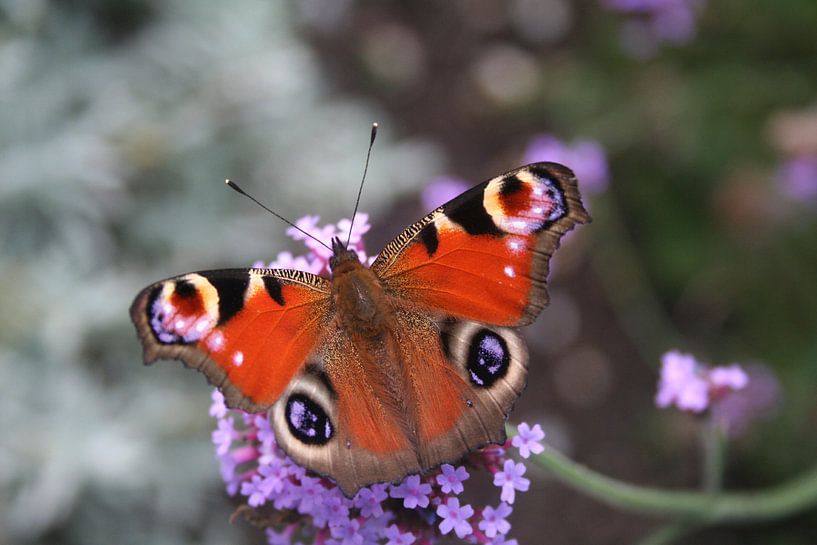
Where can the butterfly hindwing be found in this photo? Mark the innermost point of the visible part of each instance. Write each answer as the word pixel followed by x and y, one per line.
pixel 484 255
pixel 249 331
pixel 370 411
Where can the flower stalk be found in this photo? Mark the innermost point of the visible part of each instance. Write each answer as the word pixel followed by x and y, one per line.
pixel 706 508
pixel 713 454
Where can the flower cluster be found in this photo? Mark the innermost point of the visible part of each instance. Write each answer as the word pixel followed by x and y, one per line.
pixel 654 22
pixel 317 260
pixel 691 386
pixel 295 505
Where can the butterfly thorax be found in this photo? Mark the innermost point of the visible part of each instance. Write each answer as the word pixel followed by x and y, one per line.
pixel 361 306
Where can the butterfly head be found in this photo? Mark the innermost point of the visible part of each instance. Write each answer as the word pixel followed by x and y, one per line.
pixel 342 257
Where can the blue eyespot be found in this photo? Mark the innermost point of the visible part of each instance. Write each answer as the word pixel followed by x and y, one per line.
pixel 307 420
pixel 488 358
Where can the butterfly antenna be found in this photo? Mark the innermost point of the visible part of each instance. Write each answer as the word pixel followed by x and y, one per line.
pixel 237 189
pixel 360 190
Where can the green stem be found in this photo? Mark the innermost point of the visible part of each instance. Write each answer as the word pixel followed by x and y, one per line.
pixel 669 533
pixel 713 455
pixel 783 500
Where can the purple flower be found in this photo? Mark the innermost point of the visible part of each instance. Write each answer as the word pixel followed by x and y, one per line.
pixel 441 190
pixel 757 400
pixel 360 228
pixel 675 23
pixel 311 494
pixel 691 386
pixel 455 518
pixel 493 520
pixel 499 539
pixel 224 435
pixel 510 479
pixel 728 378
pixel 255 492
pixel 286 260
pixel 798 178
pixel 585 157
pixel 682 384
pixel 672 21
pixel 369 500
pixel 528 440
pixel 395 537
pixel 450 480
pixel 275 476
pixel 318 260
pixel 413 492
pixel 347 532
pixel 218 409
pixel 283 537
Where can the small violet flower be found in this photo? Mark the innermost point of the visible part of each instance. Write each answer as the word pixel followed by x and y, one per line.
pixel 412 492
pixel 455 517
pixel 450 480
pixel 395 537
pixel 529 440
pixel 296 506
pixel 369 500
pixel 691 386
pixel 223 436
pixel 510 479
pixel 757 400
pixel 652 22
pixel 585 157
pixel 493 520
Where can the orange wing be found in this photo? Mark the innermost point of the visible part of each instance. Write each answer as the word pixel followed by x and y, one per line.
pixel 484 255
pixel 425 394
pixel 249 331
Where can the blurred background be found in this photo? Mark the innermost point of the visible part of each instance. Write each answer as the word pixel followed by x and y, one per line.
pixel 692 126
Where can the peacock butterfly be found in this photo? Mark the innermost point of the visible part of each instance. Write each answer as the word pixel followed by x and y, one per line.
pixel 379 372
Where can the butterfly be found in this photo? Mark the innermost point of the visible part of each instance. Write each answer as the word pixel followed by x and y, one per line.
pixel 380 372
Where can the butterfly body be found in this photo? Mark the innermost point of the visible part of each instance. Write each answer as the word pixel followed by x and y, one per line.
pixel 379 372
pixel 359 299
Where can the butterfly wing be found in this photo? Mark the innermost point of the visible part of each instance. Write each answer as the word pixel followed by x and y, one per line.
pixel 339 417
pixel 484 255
pixel 460 280
pixel 250 331
pixel 443 377
pixel 364 412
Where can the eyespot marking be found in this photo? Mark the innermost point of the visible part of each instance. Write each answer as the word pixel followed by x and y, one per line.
pixel 177 313
pixel 307 421
pixel 524 202
pixel 488 358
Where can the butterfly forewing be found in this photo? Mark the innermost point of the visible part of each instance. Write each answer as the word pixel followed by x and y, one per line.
pixel 484 255
pixel 248 330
